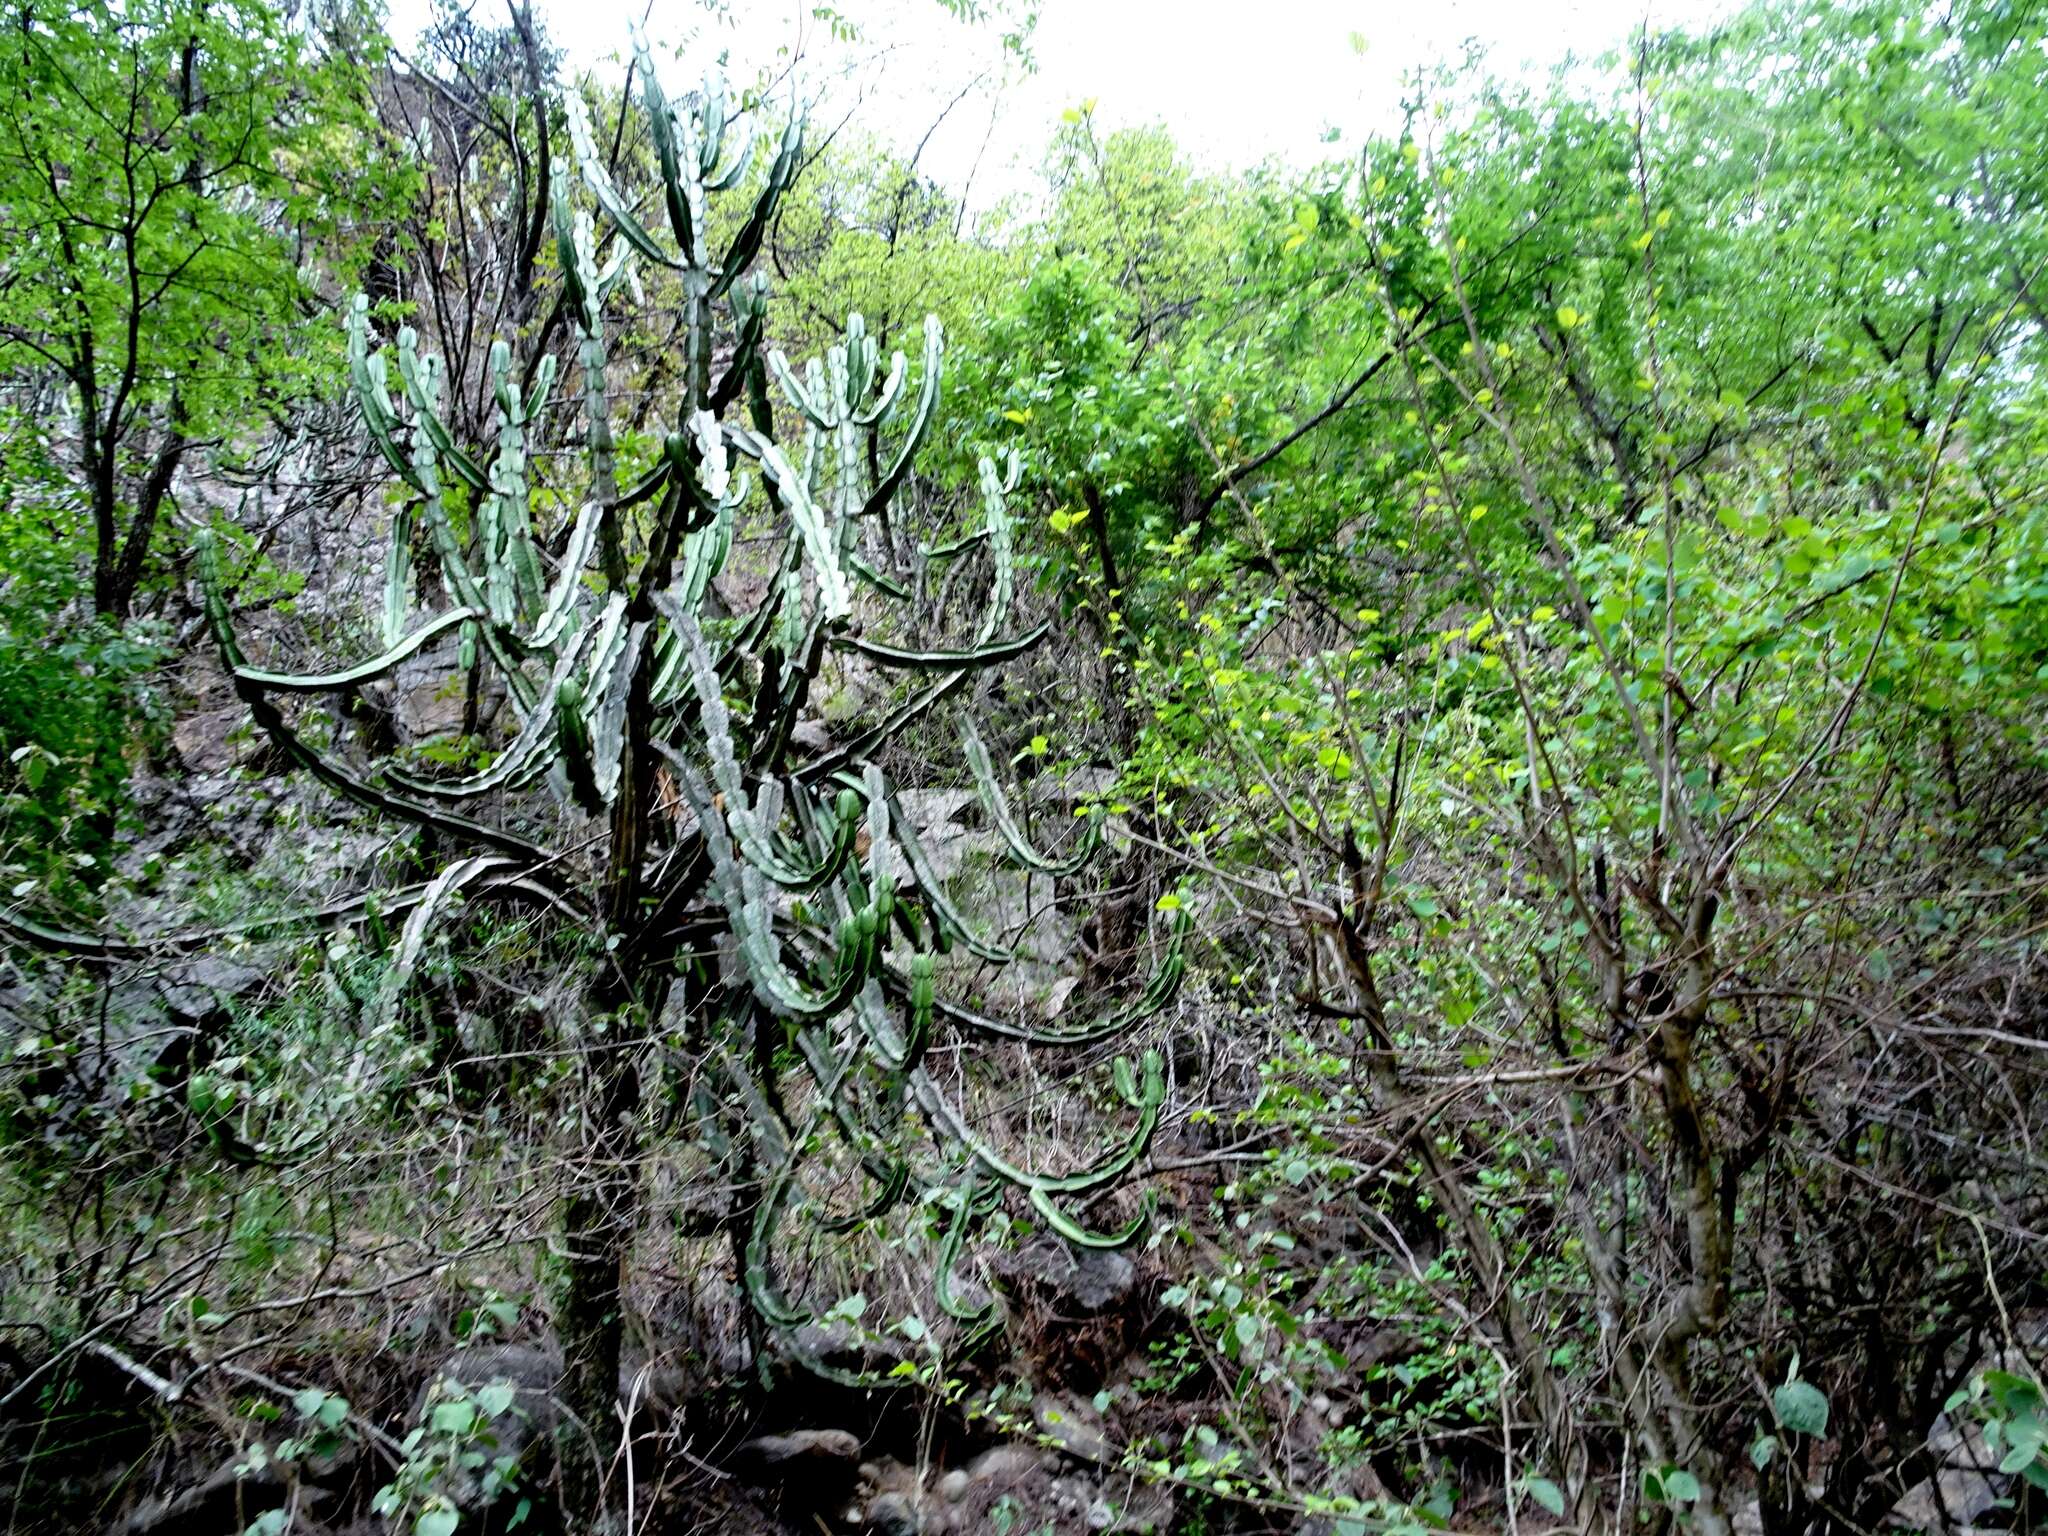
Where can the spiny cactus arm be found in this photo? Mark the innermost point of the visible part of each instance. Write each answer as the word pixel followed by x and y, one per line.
pixel 862 935
pixel 948 1120
pixel 892 1182
pixel 1087 1237
pixel 762 1290
pixel 363 672
pixel 997 805
pixel 700 483
pixel 855 375
pixel 879 580
pixel 536 394
pixel 764 850
pixel 604 479
pixel 952 547
pixel 747 243
pixel 272 722
pixel 933 661
pixel 952 926
pixel 528 754
pixel 782 1153
pixel 606 635
pixel 750 313
pixel 780 701
pixel 996 521
pixel 974 1197
pixel 595 177
pixel 649 484
pixel 847 496
pixel 831 1073
pixel 422 379
pixel 511 571
pixel 798 395
pixel 456 576
pixel 576 291
pixel 740 889
pixel 572 737
pixel 568 586
pixel 920 420
pixel 1159 990
pixel 704 555
pixel 923 999
pixel 879 735
pixel 586 287
pixel 678 177
pixel 608 729
pixel 789 998
pixel 515 877
pixel 891 1046
pixel 398 571
pixel 707 549
pixel 365 794
pixel 373 395
pixel 755 630
pixel 763 1293
pixel 714 722
pixel 440 893
pixel 1107 1027
pixel 792 496
pixel 892 390
pixel 743 157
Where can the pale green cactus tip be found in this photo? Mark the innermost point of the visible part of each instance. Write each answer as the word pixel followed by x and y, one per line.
pixel 615 655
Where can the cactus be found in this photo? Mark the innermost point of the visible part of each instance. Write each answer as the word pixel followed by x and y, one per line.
pixel 618 666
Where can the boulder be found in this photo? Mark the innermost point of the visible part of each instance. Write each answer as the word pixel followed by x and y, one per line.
pixel 821 1464
pixel 891 1514
pixel 1075 1427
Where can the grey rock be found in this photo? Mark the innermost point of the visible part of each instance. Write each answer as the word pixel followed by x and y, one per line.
pixel 1076 1428
pixel 892 1514
pixel 233 1492
pixel 1088 1280
pixel 954 1485
pixel 429 694
pixel 202 742
pixel 812 736
pixel 524 1430
pixel 205 985
pixel 849 1348
pixel 1071 1497
pixel 830 1458
pixel 1005 1464
pixel 1133 1509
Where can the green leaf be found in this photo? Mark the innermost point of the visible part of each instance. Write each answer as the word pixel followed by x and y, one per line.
pixel 1801 1407
pixel 1544 1491
pixel 437 1522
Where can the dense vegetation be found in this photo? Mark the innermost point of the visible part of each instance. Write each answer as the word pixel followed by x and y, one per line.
pixel 1365 853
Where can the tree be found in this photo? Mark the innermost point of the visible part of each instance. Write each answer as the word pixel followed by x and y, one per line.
pixel 738 886
pixel 167 168
pixel 1589 768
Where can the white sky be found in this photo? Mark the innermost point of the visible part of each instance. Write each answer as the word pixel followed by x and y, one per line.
pixel 1237 81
